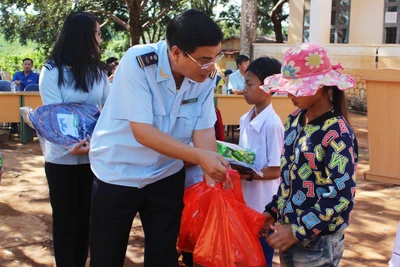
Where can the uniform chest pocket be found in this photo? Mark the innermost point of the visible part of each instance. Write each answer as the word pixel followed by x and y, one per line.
pixel 158 115
pixel 186 121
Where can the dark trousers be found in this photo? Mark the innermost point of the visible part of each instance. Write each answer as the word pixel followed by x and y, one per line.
pixel 113 209
pixel 70 195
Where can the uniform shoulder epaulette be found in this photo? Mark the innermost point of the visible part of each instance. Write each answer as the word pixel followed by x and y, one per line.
pixel 147 59
pixel 50 65
pixel 212 74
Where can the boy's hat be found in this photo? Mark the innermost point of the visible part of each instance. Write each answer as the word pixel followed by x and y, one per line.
pixel 306 68
pixel 228 72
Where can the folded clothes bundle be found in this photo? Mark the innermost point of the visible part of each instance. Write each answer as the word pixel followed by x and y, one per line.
pixel 235 152
pixel 63 124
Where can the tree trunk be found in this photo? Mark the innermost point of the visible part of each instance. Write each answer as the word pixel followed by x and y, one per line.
pixel 275 20
pixel 248 29
pixel 135 27
pixel 277 29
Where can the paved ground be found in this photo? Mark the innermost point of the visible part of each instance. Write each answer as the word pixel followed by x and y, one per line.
pixel 25 214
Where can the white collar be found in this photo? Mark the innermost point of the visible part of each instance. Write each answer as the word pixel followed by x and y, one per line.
pixel 259 120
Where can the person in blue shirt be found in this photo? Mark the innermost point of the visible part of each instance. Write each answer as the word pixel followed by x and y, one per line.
pixel 165 98
pixel 236 82
pixel 26 77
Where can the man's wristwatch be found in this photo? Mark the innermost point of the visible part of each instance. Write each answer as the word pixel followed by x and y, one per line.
pixel 250 178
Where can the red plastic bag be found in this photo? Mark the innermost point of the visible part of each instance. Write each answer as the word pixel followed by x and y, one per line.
pixel 229 235
pixel 193 216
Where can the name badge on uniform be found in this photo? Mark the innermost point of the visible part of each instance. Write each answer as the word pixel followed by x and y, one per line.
pixel 188 101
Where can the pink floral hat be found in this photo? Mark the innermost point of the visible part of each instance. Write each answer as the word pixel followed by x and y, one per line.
pixel 306 68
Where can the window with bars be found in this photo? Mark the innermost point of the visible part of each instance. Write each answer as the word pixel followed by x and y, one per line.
pixel 391 26
pixel 306 21
pixel 340 21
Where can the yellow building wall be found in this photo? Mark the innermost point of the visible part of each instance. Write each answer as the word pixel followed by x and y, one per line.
pixel 231 44
pixel 366 21
pixel 229 61
pixel 296 17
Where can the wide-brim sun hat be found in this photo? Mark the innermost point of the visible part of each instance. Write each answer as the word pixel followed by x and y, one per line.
pixel 306 68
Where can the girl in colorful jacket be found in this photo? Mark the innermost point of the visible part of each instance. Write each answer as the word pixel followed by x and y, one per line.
pixel 319 161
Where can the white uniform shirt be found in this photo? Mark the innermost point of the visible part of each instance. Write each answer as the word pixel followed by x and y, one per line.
pixel 264 136
pixel 147 95
pixel 236 81
pixel 51 93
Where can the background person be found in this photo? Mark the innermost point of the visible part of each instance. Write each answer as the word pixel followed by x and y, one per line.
pixel 112 63
pixel 236 79
pixel 26 77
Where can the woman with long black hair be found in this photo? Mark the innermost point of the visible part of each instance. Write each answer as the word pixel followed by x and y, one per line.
pixel 74 74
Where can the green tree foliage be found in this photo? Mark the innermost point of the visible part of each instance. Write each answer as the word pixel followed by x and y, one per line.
pixel 41 21
pixel 123 22
pixel 35 20
pixel 229 19
pixel 270 16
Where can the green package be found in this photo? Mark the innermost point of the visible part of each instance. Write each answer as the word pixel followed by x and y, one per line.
pixel 235 152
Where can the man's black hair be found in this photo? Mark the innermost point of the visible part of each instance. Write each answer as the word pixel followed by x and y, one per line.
pixel 192 29
pixel 240 59
pixel 27 59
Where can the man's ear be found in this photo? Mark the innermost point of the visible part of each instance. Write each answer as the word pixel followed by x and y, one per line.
pixel 176 53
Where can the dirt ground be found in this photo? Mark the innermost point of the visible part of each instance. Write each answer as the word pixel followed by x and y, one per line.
pixel 25 213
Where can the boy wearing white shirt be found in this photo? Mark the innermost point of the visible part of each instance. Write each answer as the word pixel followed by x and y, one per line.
pixel 261 131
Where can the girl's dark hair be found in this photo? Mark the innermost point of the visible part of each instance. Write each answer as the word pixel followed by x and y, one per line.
pixel 263 67
pixel 338 100
pixel 77 48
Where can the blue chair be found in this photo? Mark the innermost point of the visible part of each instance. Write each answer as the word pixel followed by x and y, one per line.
pixel 32 88
pixel 5 86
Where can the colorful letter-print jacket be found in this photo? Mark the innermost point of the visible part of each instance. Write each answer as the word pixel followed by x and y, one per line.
pixel 318 170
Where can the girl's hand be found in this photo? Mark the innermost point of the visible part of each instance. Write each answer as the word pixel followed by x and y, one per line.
pixel 269 221
pixel 82 148
pixel 282 238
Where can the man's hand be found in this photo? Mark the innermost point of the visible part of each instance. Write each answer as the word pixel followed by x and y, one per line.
pixel 269 221
pixel 82 148
pixel 282 238
pixel 213 165
pixel 17 82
